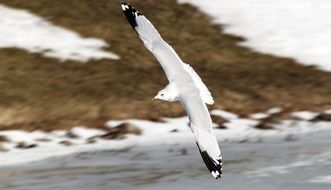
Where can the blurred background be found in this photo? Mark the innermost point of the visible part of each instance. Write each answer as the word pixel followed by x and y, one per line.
pixel 77 86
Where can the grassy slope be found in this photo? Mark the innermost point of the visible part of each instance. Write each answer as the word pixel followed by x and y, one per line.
pixel 46 91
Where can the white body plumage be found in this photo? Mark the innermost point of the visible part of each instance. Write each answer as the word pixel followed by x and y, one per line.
pixel 185 85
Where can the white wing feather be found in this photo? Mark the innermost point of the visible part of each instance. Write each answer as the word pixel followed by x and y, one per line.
pixel 200 123
pixel 171 63
pixel 204 92
pixel 146 31
pixel 154 43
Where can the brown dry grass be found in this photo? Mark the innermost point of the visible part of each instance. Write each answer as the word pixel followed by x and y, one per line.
pixel 35 89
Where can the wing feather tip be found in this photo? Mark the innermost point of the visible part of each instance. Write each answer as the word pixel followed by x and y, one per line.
pixel 124 6
pixel 131 14
pixel 209 102
pixel 214 167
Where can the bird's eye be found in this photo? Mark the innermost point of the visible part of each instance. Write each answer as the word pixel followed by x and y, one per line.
pixel 162 94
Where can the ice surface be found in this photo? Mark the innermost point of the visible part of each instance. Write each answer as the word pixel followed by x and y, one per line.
pixel 322 179
pixel 271 164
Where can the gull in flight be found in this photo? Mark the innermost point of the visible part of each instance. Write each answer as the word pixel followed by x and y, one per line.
pixel 185 85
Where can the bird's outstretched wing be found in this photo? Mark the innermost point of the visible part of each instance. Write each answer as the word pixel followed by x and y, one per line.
pixel 165 54
pixel 200 123
pixel 197 94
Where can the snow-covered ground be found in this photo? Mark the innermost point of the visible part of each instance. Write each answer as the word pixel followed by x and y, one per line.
pixel 22 29
pixel 162 158
pixel 171 131
pixel 295 154
pixel 300 29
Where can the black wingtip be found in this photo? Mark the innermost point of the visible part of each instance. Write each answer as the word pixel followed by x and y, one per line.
pixel 130 14
pixel 214 167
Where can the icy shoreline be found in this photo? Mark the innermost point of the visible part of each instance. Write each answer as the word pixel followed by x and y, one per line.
pixel 268 164
pixel 170 132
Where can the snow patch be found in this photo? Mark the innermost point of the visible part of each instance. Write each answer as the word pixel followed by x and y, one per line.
pixel 259 116
pixel 224 114
pixel 327 111
pixel 290 28
pixel 274 110
pixel 86 133
pixel 304 115
pixel 22 29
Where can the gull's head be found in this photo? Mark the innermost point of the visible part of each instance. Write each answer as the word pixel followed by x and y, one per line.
pixel 164 95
